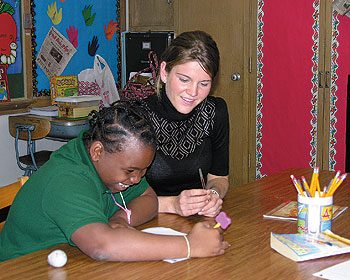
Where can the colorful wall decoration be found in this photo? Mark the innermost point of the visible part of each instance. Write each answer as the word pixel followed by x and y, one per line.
pixel 91 26
pixel 340 69
pixel 10 36
pixel 288 93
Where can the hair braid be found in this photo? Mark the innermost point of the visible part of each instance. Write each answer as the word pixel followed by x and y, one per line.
pixel 114 125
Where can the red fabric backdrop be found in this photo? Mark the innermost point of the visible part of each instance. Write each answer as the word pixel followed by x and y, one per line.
pixel 342 72
pixel 287 88
pixel 286 85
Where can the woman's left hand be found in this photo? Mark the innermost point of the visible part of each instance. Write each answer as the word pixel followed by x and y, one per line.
pixel 213 208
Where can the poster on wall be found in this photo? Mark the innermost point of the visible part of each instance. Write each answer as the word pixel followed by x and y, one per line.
pixel 55 53
pixel 10 41
pixel 92 27
pixel 4 86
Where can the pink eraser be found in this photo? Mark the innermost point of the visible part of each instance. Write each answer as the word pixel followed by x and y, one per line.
pixel 223 220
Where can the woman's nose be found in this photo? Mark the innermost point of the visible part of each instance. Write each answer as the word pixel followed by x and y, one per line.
pixel 192 90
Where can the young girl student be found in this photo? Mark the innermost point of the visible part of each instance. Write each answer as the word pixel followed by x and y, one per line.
pixel 92 193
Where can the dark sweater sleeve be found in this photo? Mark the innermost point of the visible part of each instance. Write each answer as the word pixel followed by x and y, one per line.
pixel 220 140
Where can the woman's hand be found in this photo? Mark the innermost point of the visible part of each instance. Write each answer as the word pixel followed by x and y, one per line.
pixel 190 202
pixel 205 241
pixel 213 208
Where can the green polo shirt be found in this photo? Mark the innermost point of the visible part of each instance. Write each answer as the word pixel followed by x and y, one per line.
pixel 62 196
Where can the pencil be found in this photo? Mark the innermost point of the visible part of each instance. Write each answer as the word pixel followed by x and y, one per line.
pixel 312 185
pixel 335 236
pixel 302 186
pixel 297 186
pixel 332 182
pixel 333 185
pixel 201 177
pixel 318 182
pixel 306 186
pixel 217 225
pixel 336 186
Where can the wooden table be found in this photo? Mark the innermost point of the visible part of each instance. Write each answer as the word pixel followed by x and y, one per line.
pixel 249 257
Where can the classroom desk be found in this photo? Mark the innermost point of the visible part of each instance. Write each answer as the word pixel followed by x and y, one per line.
pixel 61 129
pixel 249 257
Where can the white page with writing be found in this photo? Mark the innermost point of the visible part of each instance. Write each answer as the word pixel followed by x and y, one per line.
pixel 339 271
pixel 166 231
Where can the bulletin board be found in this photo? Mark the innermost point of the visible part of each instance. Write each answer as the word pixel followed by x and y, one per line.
pixel 11 45
pixel 91 26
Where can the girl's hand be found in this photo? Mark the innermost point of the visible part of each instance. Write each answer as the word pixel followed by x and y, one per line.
pixel 205 241
pixel 190 202
pixel 213 208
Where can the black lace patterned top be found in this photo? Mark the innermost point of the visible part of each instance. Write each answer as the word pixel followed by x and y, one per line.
pixel 187 142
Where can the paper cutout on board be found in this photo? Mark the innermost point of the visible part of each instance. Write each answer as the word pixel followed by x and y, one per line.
pixel 111 29
pixel 73 35
pixel 89 20
pixel 53 15
pixel 93 46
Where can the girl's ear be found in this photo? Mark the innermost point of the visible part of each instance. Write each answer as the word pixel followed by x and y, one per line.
pixel 163 72
pixel 96 150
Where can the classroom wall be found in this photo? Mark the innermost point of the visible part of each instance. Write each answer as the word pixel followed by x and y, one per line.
pixel 9 171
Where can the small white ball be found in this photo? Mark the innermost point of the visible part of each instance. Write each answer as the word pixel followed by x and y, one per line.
pixel 57 258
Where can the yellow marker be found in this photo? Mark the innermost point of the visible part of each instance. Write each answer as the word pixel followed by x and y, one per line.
pixel 335 236
pixel 217 225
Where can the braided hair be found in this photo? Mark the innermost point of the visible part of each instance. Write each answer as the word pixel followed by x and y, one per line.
pixel 113 126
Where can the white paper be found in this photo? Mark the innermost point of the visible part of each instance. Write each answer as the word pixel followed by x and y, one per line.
pixel 166 231
pixel 339 271
pixel 44 111
pixel 145 74
pixel 55 53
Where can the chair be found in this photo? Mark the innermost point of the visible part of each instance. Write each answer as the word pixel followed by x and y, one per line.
pixel 30 128
pixel 7 195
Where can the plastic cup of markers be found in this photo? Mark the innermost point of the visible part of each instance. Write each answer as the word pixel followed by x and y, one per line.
pixel 314 214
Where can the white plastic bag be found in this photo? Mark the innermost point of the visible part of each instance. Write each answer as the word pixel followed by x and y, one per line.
pixel 99 81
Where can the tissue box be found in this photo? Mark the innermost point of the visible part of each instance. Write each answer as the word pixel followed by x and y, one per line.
pixel 77 106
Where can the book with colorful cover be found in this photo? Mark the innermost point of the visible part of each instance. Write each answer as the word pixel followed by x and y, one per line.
pixel 63 86
pixel 4 86
pixel 299 247
pixel 288 210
